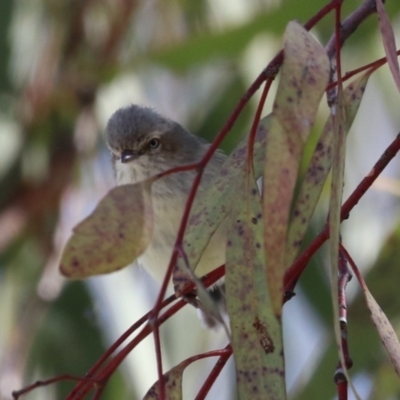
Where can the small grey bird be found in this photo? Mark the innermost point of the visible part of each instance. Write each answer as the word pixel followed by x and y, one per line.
pixel 143 144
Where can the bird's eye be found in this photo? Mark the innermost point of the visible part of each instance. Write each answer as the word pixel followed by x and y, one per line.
pixel 154 143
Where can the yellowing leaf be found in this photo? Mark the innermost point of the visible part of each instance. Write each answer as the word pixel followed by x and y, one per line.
pixel 173 384
pixel 113 236
pixel 304 77
pixel 173 378
pixel 385 330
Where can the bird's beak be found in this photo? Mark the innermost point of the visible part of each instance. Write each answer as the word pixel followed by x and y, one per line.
pixel 128 155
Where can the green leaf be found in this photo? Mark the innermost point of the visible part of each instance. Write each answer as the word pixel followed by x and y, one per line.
pixel 256 332
pixel 319 168
pixel 113 236
pixel 389 42
pixel 305 73
pixel 6 14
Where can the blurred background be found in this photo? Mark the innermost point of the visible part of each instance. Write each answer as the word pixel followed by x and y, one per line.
pixel 65 67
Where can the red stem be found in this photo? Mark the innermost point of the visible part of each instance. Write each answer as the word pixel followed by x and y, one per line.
pixel 115 345
pixel 342 387
pixel 256 121
pixel 157 344
pixel 207 280
pixel 353 266
pixel 338 44
pixel 372 66
pixel 214 373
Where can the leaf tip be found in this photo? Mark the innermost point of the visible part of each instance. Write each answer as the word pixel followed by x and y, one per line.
pixel 64 271
pixel 70 268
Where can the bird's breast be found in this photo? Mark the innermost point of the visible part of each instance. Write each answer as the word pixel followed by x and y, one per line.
pixel 168 211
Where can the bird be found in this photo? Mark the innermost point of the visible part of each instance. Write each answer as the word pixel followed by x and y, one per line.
pixel 144 143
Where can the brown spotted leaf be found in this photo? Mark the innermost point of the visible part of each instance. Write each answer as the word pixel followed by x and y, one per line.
pixel 256 332
pixel 318 170
pixel 113 236
pixel 304 77
pixel 173 384
pixel 173 380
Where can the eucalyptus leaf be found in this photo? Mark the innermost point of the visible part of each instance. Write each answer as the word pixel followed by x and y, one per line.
pixel 318 169
pixel 256 332
pixel 113 236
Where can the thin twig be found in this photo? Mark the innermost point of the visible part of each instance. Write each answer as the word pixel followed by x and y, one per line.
pixel 80 389
pixel 65 377
pixel 213 375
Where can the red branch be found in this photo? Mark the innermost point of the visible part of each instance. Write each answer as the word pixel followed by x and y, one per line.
pixel 116 344
pixel 256 121
pixel 341 383
pixel 371 66
pixel 84 387
pixel 214 373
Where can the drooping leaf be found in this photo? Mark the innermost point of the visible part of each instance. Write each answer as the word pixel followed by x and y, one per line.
pixel 385 330
pixel 173 384
pixel 389 42
pixel 113 236
pixel 319 168
pixel 384 327
pixel 173 379
pixel 303 81
pixel 256 332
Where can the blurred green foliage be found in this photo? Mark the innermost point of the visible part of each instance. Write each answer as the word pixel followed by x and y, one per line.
pixel 5 18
